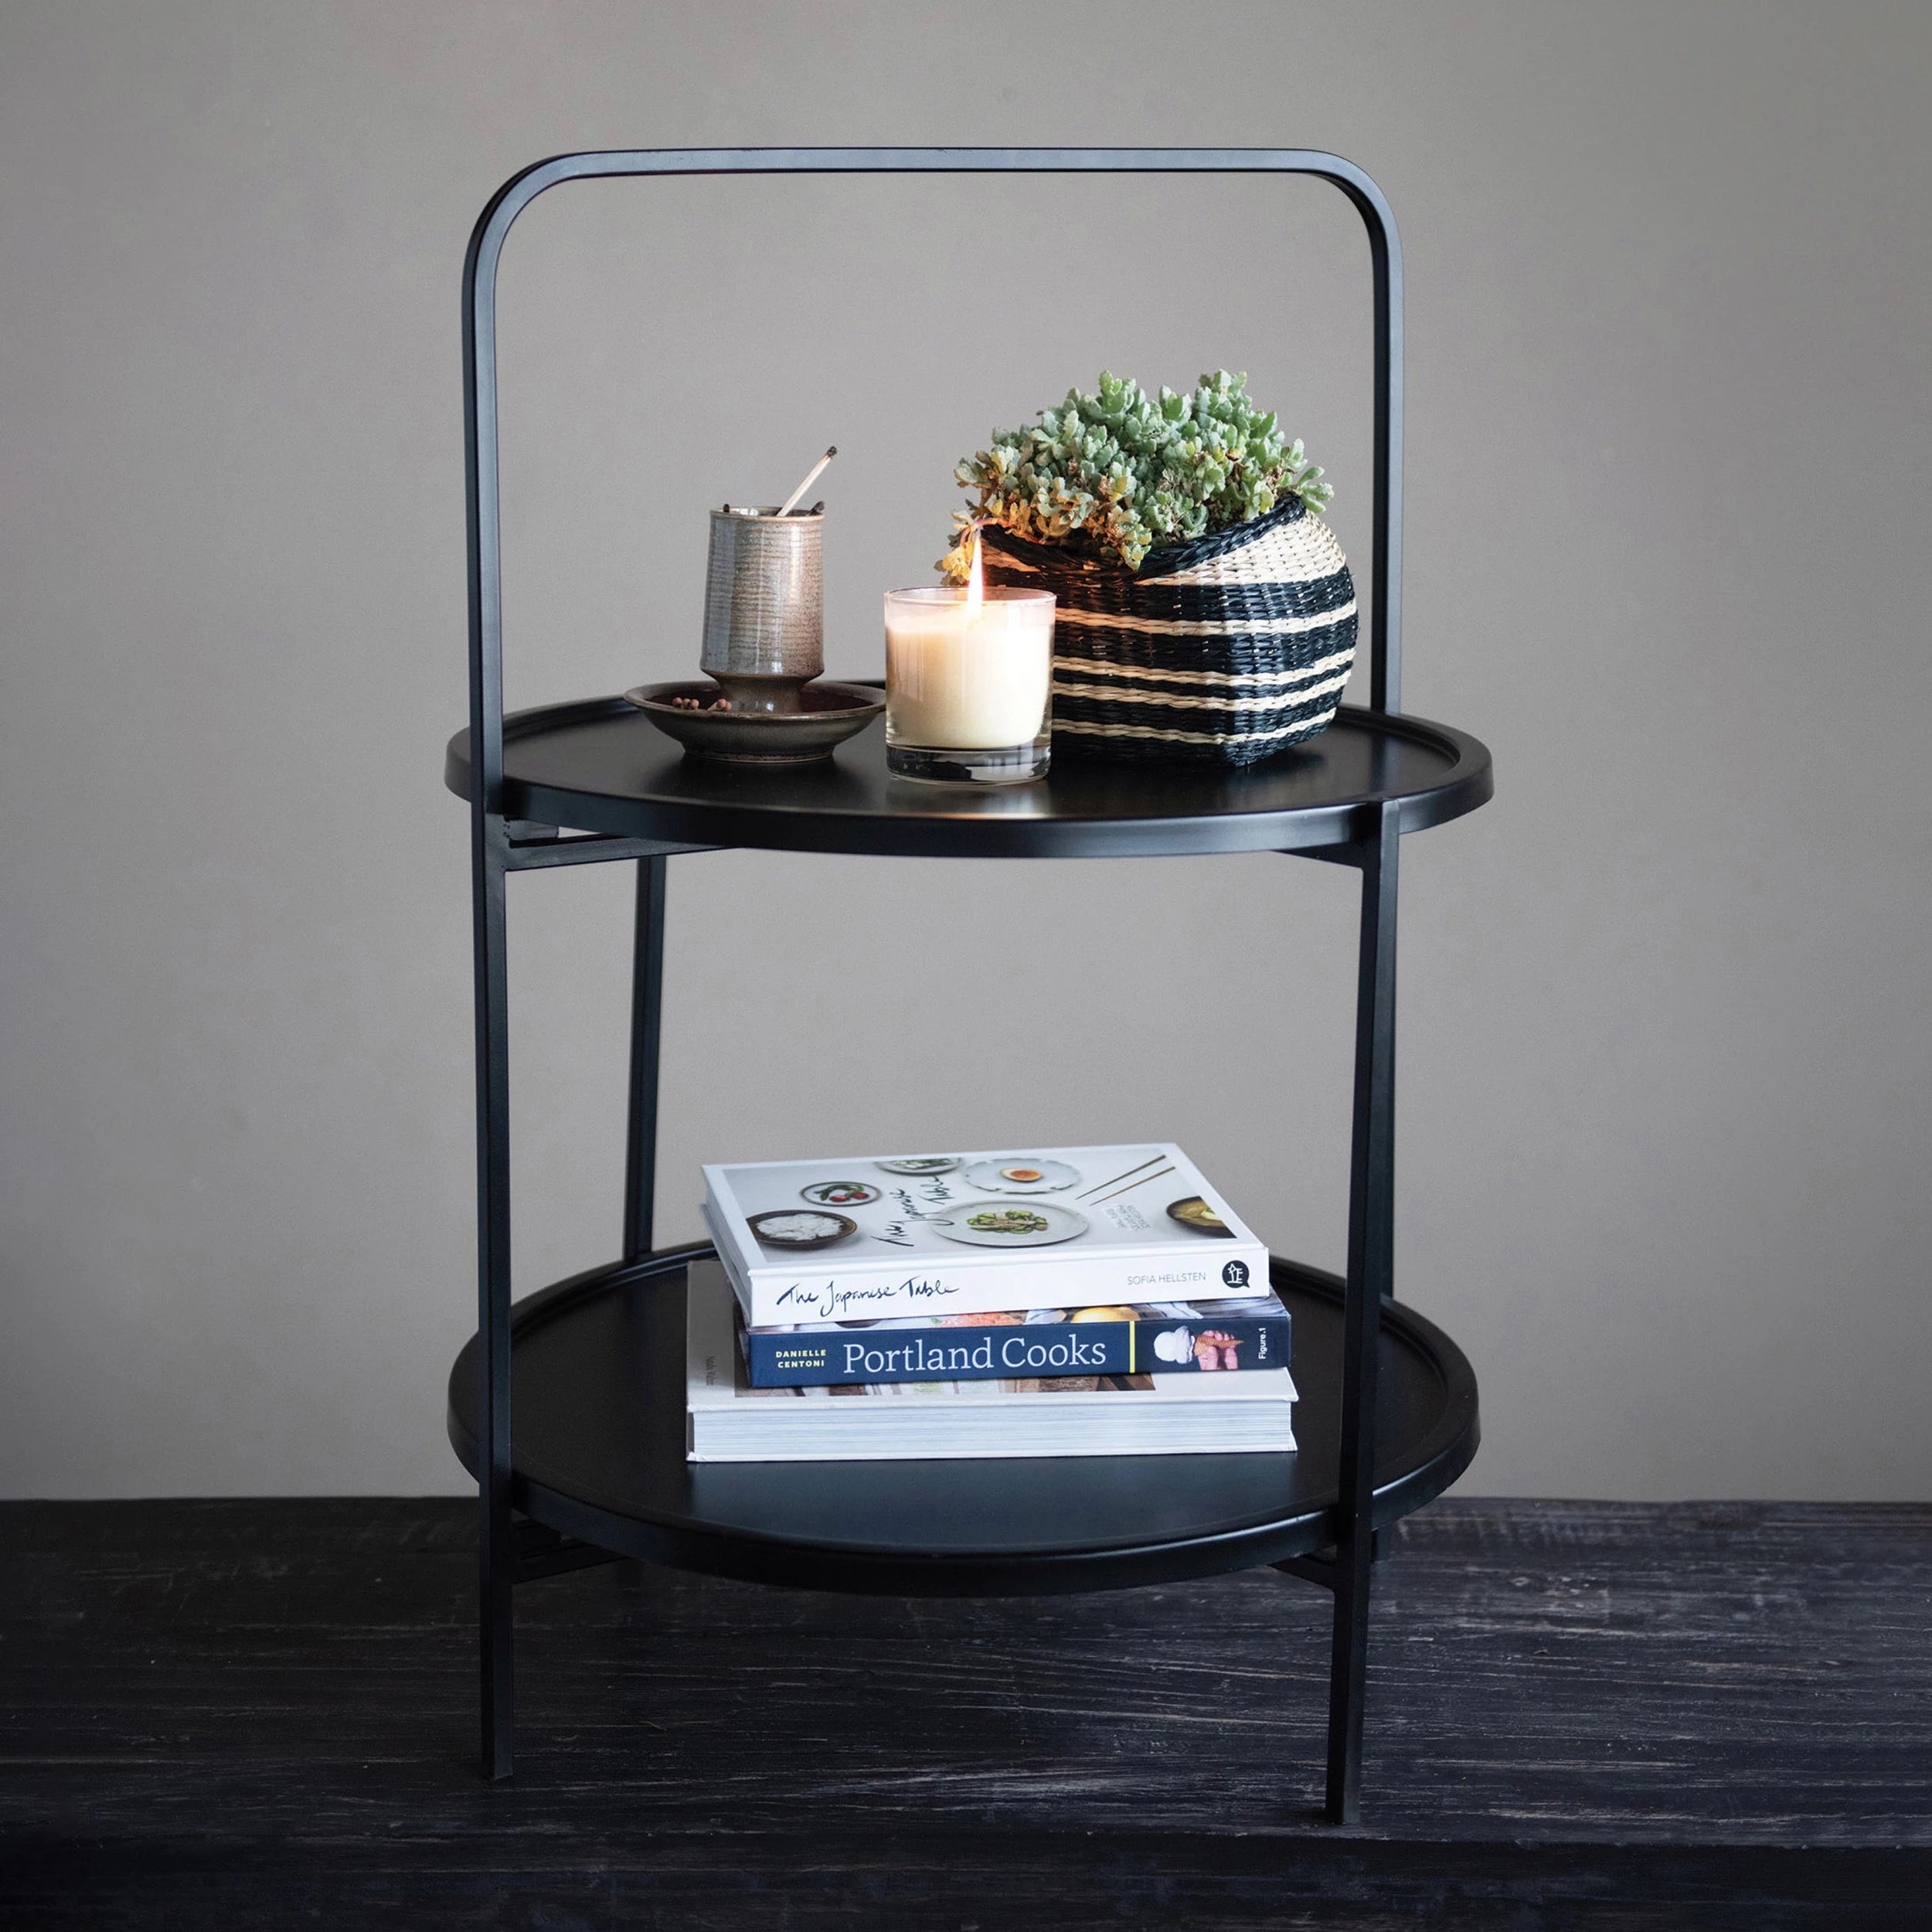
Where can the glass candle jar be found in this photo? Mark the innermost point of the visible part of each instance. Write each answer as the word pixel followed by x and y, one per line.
pixel 968 684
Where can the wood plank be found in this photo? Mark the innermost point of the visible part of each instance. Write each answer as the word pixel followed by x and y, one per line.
pixel 1579 1714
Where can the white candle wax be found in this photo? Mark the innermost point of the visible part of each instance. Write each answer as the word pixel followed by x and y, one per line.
pixel 967 676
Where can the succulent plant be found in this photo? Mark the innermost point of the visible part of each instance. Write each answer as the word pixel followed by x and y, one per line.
pixel 1112 474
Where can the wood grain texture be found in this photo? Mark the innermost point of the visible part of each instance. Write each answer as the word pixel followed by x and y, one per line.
pixel 230 1713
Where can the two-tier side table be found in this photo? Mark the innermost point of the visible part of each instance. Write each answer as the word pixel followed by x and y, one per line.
pixel 595 1469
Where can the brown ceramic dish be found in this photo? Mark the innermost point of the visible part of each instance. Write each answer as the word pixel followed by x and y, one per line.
pixel 1194 1213
pixel 828 715
pixel 779 1237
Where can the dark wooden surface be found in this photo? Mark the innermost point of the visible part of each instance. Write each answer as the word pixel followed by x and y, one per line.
pixel 245 1714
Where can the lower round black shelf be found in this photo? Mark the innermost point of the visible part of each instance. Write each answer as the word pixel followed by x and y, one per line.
pixel 599 1453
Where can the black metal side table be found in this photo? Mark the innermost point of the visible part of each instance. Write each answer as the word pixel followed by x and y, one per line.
pixel 596 1470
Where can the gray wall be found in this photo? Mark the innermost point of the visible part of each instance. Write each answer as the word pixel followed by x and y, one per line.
pixel 1663 1124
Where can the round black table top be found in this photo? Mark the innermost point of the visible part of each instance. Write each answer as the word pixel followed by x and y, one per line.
pixel 601 765
pixel 598 1414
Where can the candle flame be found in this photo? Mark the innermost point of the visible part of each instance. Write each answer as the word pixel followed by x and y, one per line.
pixel 975 582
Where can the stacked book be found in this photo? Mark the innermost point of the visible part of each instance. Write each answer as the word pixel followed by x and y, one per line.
pixel 1085 1301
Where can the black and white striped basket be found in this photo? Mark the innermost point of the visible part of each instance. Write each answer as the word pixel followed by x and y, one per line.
pixel 1224 649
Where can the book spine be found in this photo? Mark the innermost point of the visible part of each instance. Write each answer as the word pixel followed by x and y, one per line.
pixel 823 1358
pixel 776 1299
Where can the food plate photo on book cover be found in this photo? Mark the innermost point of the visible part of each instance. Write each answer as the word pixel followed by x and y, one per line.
pixel 1194 1213
pixel 1012 1224
pixel 795 1228
pixel 837 1194
pixel 919 1164
pixel 1007 1175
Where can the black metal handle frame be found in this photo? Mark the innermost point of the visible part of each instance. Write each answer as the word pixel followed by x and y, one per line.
pixel 500 846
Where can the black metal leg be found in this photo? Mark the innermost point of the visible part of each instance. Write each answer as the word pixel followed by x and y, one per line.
pixel 646 1008
pixel 495 1550
pixel 1371 1256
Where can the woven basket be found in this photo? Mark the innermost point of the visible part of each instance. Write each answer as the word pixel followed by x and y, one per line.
pixel 1224 649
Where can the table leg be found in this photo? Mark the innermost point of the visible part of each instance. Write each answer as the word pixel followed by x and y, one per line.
pixel 1371 1255
pixel 646 1008
pixel 496 1555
